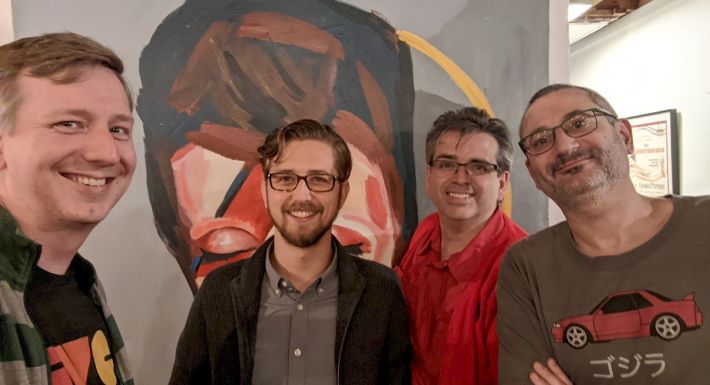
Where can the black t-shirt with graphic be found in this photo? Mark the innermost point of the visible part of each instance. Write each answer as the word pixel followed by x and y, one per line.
pixel 73 328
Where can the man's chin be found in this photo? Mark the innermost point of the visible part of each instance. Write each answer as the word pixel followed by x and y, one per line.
pixel 85 217
pixel 301 238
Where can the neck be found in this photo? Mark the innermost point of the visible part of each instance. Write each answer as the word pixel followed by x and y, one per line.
pixel 457 234
pixel 59 246
pixel 302 265
pixel 60 242
pixel 617 222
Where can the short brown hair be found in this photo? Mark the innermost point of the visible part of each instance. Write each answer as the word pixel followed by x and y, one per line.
pixel 306 129
pixel 471 120
pixel 61 57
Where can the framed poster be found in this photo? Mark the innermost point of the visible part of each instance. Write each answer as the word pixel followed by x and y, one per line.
pixel 654 167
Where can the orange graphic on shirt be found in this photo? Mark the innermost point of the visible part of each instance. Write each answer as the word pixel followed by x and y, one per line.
pixel 73 360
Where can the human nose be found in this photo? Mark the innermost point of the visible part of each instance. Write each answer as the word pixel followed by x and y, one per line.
pixel 100 146
pixel 563 142
pixel 461 173
pixel 301 191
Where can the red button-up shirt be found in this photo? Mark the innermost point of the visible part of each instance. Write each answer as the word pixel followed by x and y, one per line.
pixel 452 305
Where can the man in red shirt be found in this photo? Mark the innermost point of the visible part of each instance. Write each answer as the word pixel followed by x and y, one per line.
pixel 450 270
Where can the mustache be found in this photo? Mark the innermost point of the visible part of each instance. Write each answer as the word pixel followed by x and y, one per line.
pixel 303 206
pixel 462 188
pixel 563 159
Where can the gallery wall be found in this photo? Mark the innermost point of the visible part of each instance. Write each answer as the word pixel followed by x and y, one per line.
pixel 502 45
pixel 656 59
pixel 6 32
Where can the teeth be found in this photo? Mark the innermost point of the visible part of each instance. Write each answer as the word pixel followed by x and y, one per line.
pixel 302 214
pixel 88 181
pixel 458 195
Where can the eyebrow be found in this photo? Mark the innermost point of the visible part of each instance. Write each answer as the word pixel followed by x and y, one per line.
pixel 291 171
pixel 85 114
pixel 565 118
pixel 451 157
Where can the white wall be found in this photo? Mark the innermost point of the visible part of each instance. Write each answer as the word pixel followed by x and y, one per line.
pixel 657 58
pixel 6 34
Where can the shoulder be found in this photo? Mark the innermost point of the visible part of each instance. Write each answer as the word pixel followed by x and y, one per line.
pixel 376 277
pixel 424 230
pixel 223 275
pixel 693 204
pixel 374 270
pixel 537 245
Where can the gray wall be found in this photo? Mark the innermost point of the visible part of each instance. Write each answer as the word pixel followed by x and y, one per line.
pixel 502 45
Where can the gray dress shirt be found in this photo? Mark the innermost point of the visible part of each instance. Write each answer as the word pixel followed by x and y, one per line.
pixel 295 333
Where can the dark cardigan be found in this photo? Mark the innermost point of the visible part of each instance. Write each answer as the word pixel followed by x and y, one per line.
pixel 372 337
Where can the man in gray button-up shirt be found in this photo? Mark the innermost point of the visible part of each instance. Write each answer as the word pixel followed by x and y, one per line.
pixel 302 309
pixel 296 329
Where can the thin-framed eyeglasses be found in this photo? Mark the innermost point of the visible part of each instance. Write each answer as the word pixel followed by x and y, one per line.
pixel 288 181
pixel 474 167
pixel 582 123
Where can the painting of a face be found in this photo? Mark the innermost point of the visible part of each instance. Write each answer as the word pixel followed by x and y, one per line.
pixel 241 70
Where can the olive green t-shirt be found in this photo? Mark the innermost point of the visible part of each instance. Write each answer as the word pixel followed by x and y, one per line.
pixel 634 318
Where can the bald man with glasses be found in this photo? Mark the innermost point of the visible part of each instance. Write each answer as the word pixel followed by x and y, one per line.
pixel 614 294
pixel 450 268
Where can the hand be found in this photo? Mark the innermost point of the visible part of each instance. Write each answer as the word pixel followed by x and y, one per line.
pixel 551 374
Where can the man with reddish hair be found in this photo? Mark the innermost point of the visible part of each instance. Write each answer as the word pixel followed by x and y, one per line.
pixel 302 309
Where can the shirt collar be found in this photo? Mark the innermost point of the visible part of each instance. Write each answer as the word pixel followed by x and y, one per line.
pixel 276 281
pixel 464 265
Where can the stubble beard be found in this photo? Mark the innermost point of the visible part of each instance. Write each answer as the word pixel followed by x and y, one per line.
pixel 299 236
pixel 608 169
pixel 303 239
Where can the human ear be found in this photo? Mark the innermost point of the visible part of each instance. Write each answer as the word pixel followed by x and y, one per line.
pixel 626 134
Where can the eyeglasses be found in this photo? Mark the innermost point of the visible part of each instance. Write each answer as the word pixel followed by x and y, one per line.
pixel 286 181
pixel 577 126
pixel 474 167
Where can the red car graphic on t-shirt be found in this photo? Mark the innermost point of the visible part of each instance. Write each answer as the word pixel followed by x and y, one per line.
pixel 630 314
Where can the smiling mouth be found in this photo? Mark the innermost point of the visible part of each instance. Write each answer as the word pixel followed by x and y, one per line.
pixel 458 195
pixel 572 168
pixel 87 181
pixel 302 214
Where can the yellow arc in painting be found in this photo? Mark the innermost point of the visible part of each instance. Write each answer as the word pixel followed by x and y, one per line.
pixel 462 80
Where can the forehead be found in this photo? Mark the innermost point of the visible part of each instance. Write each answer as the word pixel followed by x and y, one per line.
pixel 305 155
pixel 476 145
pixel 97 90
pixel 551 109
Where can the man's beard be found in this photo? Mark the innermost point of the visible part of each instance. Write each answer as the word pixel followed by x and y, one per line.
pixel 298 236
pixel 608 169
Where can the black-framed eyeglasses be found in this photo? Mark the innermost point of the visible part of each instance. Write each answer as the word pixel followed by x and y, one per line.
pixel 582 123
pixel 287 181
pixel 474 167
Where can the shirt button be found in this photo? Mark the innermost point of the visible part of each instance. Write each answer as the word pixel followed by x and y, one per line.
pixel 320 289
pixel 297 352
pixel 299 307
pixel 284 283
